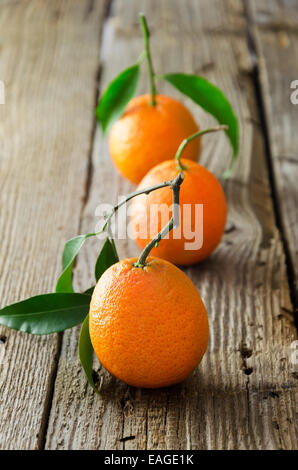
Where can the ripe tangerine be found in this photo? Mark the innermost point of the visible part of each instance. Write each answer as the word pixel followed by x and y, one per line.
pixel 146 135
pixel 148 326
pixel 149 213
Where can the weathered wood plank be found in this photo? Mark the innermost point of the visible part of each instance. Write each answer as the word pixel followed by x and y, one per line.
pixel 49 63
pixel 275 31
pixel 241 397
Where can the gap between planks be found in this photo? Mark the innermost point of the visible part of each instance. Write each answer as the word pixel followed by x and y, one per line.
pixel 43 156
pixel 269 160
pixel 87 187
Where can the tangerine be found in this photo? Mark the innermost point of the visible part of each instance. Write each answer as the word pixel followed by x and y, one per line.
pixel 148 326
pixel 146 135
pixel 196 237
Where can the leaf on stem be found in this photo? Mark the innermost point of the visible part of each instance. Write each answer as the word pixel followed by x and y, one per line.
pixel 212 100
pixel 71 249
pixel 89 291
pixel 47 313
pixel 86 352
pixel 107 256
pixel 116 96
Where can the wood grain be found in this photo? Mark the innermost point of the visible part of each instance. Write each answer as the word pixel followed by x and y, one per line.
pixel 242 395
pixel 274 29
pixel 49 61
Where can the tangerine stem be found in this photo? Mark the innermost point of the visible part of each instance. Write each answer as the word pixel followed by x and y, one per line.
pixel 186 141
pixel 128 198
pixel 146 36
pixel 173 222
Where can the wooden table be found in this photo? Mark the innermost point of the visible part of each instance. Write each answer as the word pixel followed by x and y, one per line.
pixel 55 59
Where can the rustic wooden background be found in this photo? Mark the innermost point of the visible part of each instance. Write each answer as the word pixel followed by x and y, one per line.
pixel 55 59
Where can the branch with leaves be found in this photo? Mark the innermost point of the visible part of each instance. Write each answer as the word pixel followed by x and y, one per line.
pixel 55 312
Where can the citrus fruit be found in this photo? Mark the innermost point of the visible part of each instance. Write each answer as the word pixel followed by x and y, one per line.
pixel 203 212
pixel 146 135
pixel 148 326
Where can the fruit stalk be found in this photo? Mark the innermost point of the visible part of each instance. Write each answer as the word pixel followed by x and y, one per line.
pixel 128 198
pixel 192 137
pixel 146 35
pixel 173 222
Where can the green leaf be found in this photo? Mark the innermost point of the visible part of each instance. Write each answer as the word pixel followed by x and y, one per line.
pixel 106 258
pixel 212 100
pixel 86 352
pixel 47 313
pixel 89 291
pixel 71 249
pixel 116 96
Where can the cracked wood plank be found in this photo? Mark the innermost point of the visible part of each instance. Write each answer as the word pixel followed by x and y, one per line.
pixel 49 63
pixel 275 32
pixel 242 395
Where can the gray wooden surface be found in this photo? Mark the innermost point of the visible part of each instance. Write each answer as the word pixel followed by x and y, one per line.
pixel 55 170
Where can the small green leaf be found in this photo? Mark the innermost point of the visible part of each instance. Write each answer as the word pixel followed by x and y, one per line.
pixel 47 313
pixel 106 258
pixel 71 249
pixel 116 96
pixel 86 352
pixel 212 100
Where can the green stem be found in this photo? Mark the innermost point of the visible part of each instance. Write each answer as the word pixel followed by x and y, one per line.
pixel 146 35
pixel 128 198
pixel 186 141
pixel 173 222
